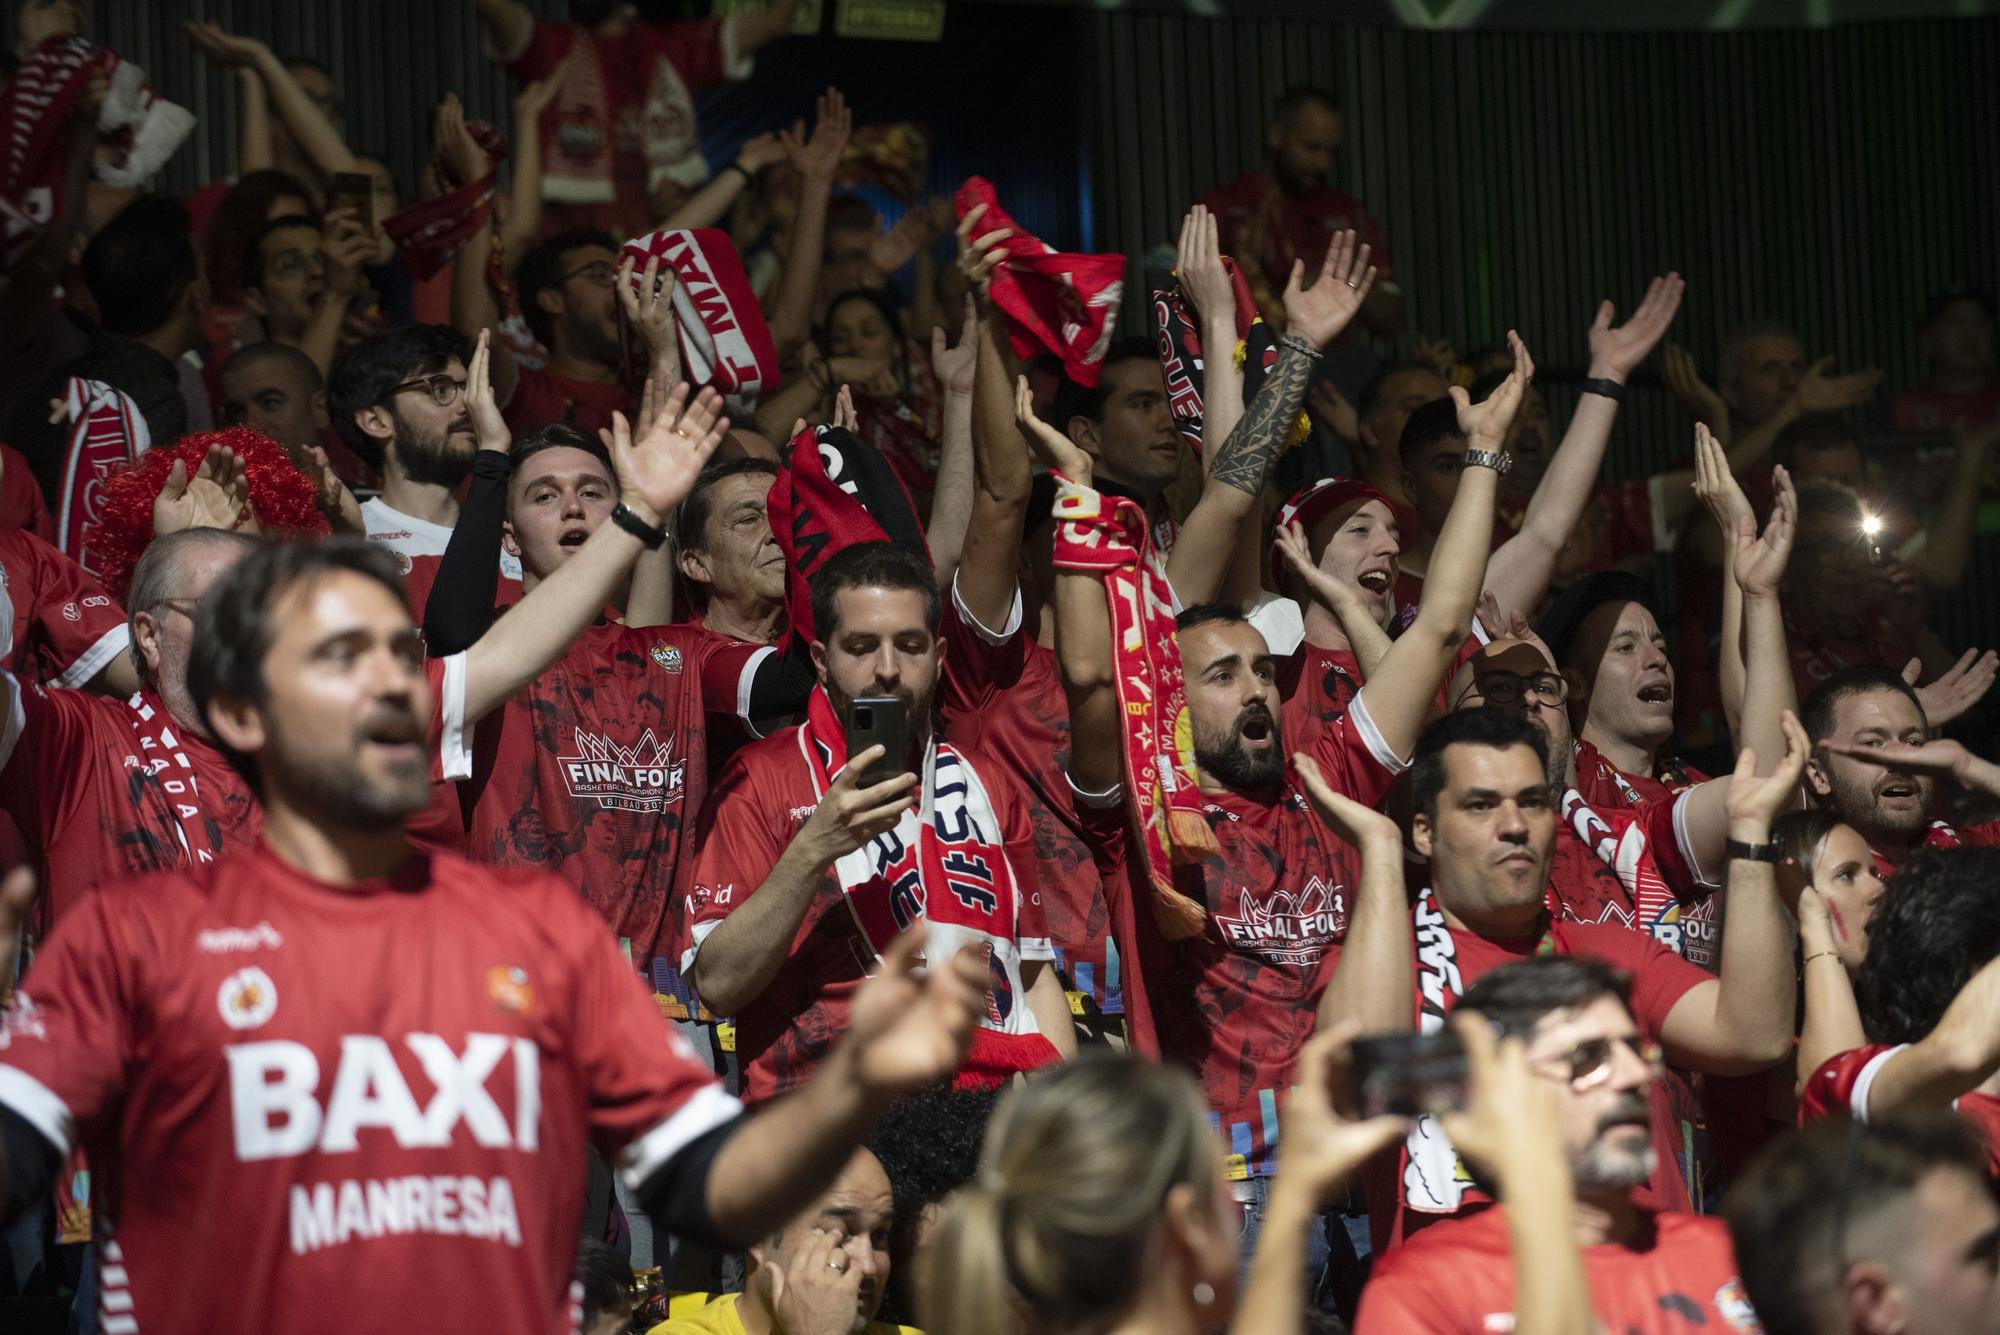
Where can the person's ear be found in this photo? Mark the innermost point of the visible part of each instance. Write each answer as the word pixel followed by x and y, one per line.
pixel 508 540
pixel 1086 435
pixel 1818 781
pixel 1876 1304
pixel 551 301
pixel 1420 833
pixel 146 642
pixel 321 418
pixel 377 424
pixel 819 660
pixel 694 564
pixel 237 724
pixel 253 301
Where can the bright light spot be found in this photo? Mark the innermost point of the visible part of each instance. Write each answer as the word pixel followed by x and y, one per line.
pixel 1871 524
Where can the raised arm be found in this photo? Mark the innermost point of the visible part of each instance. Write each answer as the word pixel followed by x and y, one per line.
pixel 1722 497
pixel 1819 391
pixel 1372 985
pixel 1831 1022
pixel 508 24
pixel 708 206
pixel 1002 480
pixel 951 502
pixel 1519 572
pixel 460 607
pixel 816 159
pixel 1366 639
pixel 1232 494
pixel 309 127
pixel 1955 1058
pixel 524 212
pixel 1940 562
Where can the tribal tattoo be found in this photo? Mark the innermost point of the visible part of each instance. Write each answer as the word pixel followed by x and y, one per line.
pixel 1245 458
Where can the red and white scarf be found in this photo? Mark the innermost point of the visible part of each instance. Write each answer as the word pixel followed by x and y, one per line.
pixel 1065 304
pixel 106 433
pixel 724 341
pixel 944 863
pixel 1108 536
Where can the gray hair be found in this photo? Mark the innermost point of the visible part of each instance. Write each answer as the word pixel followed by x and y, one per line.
pixel 162 568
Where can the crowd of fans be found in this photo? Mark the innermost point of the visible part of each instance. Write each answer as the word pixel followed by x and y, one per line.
pixel 641 750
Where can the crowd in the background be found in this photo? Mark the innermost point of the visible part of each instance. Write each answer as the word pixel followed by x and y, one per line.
pixel 604 740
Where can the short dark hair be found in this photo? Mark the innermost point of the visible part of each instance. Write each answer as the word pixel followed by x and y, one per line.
pixel 250 354
pixel 242 211
pixel 1297 98
pixel 1435 421
pixel 871 565
pixel 542 268
pixel 691 516
pixel 1074 400
pixel 928 1144
pixel 559 436
pixel 1729 362
pixel 1514 998
pixel 605 1278
pixel 1813 433
pixel 1488 726
pixel 1370 397
pixel 237 620
pixel 140 265
pixel 1205 614
pixel 1814 1187
pixel 250 269
pixel 1801 834
pixel 366 375
pixel 1817 712
pixel 1937 924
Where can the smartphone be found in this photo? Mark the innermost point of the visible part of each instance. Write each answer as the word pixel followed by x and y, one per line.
pixel 879 720
pixel 1405 1075
pixel 356 190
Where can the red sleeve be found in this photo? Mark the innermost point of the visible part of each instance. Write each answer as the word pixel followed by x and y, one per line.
pixel 1017 835
pixel 66 1040
pixel 45 730
pixel 547 43
pixel 737 842
pixel 1403 1295
pixel 728 669
pixel 448 740
pixel 62 616
pixel 649 1094
pixel 978 663
pixel 536 401
pixel 1355 757
pixel 694 49
pixel 1840 1086
pixel 1629 529
pixel 1660 978
pixel 1985 835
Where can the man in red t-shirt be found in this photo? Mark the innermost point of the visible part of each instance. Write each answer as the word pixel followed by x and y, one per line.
pixel 67 630
pixel 805 867
pixel 1963 388
pixel 1877 766
pixel 352 1057
pixel 1578 1024
pixel 1929 995
pixel 1485 818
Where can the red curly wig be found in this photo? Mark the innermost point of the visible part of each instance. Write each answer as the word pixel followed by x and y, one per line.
pixel 283 498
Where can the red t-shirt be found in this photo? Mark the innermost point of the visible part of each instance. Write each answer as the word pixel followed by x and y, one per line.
pixel 1842 1085
pixel 542 396
pixel 1317 685
pixel 1458 1279
pixel 628 99
pixel 1302 228
pixel 592 770
pixel 66 627
pixel 1620 521
pixel 21 501
pixel 1654 885
pixel 1940 835
pixel 371 1098
pixel 1605 786
pixel 757 807
pixel 1235 1003
pixel 1923 409
pixel 1001 695
pixel 1426 1183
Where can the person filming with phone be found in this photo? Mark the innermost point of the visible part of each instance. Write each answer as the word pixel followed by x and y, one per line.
pixel 818 840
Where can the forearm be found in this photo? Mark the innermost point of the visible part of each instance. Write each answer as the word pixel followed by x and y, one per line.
pixel 508 25
pixel 1755 1000
pixel 1221 386
pixel 1083 654
pixel 1832 1021
pixel 1953 1059
pixel 1372 983
pixel 460 607
pixel 1768 688
pixel 522 644
pixel 791 310
pixel 524 215
pixel 649 600
pixel 709 205
pixel 951 502
pixel 321 339
pixel 1564 491
pixel 1730 675
pixel 254 151
pixel 473 305
pixel 1002 484
pixel 310 130
pixel 1050 1007
pixel 1458 562
pixel 738 960
pixel 1941 563
pixel 1274 1300
pixel 799 397
pixel 1551 1292
pixel 1751 450
pixel 785 1156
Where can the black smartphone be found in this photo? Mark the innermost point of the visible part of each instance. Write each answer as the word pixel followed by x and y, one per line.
pixel 879 720
pixel 356 190
pixel 1406 1075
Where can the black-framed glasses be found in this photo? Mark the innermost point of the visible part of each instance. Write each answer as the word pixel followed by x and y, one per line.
pixel 1501 687
pixel 601 272
pixel 1588 1064
pixel 443 389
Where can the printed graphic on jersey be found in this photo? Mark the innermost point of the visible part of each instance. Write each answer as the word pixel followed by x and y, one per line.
pixel 646 776
pixel 1287 928
pixel 668 657
pixel 510 989
pixel 247 998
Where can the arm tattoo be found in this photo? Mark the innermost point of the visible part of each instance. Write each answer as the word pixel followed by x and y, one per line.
pixel 1246 456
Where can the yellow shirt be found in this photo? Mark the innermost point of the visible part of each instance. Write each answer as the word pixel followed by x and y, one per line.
pixel 719 1318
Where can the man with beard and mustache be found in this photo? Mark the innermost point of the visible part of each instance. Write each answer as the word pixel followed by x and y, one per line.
pixel 1877 766
pixel 1485 820
pixel 803 866
pixel 400 397
pixel 1586 1026
pixel 358 1056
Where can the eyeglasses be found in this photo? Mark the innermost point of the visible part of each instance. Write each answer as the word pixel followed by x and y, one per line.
pixel 444 390
pixel 601 272
pixel 1507 688
pixel 1588 1064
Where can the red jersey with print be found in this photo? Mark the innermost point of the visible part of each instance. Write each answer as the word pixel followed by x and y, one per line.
pixel 1426 1182
pixel 594 770
pixel 1292 227
pixel 757 807
pixel 1940 835
pixel 1235 1003
pixel 1317 684
pixel 625 116
pixel 1842 1084
pixel 1620 521
pixel 67 629
pixel 544 396
pixel 379 1094
pixel 1662 891
pixel 1676 1276
pixel 1921 410
pixel 1605 786
pixel 1001 695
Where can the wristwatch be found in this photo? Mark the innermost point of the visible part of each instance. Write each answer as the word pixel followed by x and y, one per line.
pixel 650 534
pixel 1769 851
pixel 1497 460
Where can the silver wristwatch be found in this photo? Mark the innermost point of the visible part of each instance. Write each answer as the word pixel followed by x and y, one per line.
pixel 1497 460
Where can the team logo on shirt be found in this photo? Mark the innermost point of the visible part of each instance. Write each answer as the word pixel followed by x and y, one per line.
pixel 1287 928
pixel 668 657
pixel 510 989
pixel 71 612
pixel 1734 1304
pixel 247 998
pixel 643 777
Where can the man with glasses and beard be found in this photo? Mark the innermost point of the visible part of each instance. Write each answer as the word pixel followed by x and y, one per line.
pixel 399 400
pixel 1576 1019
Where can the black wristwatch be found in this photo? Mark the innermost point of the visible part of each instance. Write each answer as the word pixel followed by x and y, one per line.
pixel 1769 851
pixel 1610 389
pixel 650 534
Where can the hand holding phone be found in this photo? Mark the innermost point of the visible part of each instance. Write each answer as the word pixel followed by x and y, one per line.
pixel 1408 1075
pixel 879 720
pixel 356 191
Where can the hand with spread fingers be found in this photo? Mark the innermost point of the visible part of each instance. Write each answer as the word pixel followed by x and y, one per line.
pixel 217 496
pixel 1958 690
pixel 1319 313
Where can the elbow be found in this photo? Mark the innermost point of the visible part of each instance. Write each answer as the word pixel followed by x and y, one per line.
pixel 1767 1042
pixel 716 991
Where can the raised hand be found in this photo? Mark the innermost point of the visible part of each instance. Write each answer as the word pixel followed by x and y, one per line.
pixel 1760 561
pixel 1715 486
pixel 817 158
pixel 907 1030
pixel 1363 827
pixel 347 249
pixel 648 302
pixel 844 415
pixel 1614 352
pixel 979 255
pixel 898 244
pixel 1332 410
pixel 658 468
pixel 956 366
pixel 217 496
pixel 816 1291
pixel 1820 391
pixel 1052 446
pixel 330 494
pixel 1485 423
pixel 489 428
pixel 1677 368
pixel 1958 690
pixel 452 144
pixel 1325 1143
pixel 1198 264
pixel 1318 313
pixel 1342 599
pixel 1753 803
pixel 536 98
pixel 221 46
pixel 1940 757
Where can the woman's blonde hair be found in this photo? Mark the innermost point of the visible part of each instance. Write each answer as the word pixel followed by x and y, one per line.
pixel 1073 1181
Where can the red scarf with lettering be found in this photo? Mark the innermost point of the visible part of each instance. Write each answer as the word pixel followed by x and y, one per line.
pixel 724 341
pixel 944 863
pixel 833 491
pixel 1108 536
pixel 1183 358
pixel 106 433
pixel 1065 304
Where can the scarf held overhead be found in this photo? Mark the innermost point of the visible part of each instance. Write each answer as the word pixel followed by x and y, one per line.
pixel 1065 304
pixel 1108 536
pixel 1183 359
pixel 724 341
pixel 833 491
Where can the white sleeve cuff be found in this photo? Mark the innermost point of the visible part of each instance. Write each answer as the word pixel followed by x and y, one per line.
pixel 37 1105
pixel 14 720
pixel 1036 948
pixel 748 679
pixel 1103 801
pixel 1656 504
pixel 993 637
pixel 735 64
pixel 706 1109
pixel 1701 874
pixel 96 658
pixel 1864 1083
pixel 454 746
pixel 700 933
pixel 1371 736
